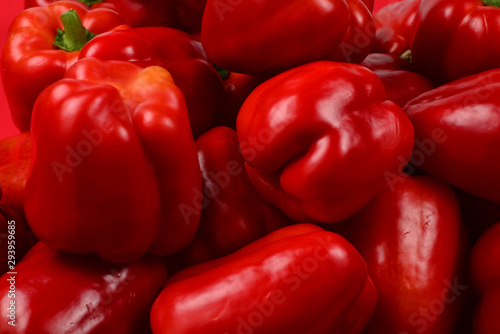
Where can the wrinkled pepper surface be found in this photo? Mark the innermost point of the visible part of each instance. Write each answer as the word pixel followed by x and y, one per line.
pixel 115 168
pixel 320 140
pixel 298 279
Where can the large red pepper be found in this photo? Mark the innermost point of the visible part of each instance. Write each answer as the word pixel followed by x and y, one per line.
pixel 456 38
pixel 114 168
pixel 457 131
pixel 31 61
pixel 411 238
pixel 233 213
pixel 485 274
pixel 400 82
pixel 299 279
pixel 56 292
pixel 174 50
pixel 320 141
pixel 395 23
pixel 289 33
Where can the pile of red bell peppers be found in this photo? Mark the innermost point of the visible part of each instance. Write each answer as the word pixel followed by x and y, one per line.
pixel 251 167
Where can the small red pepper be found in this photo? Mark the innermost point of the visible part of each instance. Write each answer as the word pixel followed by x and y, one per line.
pixel 298 279
pixel 233 213
pixel 56 292
pixel 115 167
pixel 400 82
pixel 30 59
pixel 320 140
pixel 395 24
pixel 485 273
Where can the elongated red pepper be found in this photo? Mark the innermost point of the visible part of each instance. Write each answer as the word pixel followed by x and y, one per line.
pixel 65 293
pixel 320 141
pixel 457 131
pixel 289 33
pixel 401 83
pixel 233 213
pixel 485 274
pixel 395 24
pixel 31 61
pixel 456 38
pixel 174 50
pixel 416 250
pixel 299 279
pixel 115 168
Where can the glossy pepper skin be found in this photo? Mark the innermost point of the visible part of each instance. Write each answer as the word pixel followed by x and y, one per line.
pixel 290 33
pixel 456 38
pixel 395 23
pixel 458 127
pixel 174 50
pixel 15 160
pixel 299 279
pixel 411 238
pixel 29 52
pixel 233 214
pixel 485 275
pixel 66 293
pixel 401 83
pixel 39 3
pixel 115 158
pixel 320 140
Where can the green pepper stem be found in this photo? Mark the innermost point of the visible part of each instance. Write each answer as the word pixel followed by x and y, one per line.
pixel 495 3
pixel 407 56
pixel 74 36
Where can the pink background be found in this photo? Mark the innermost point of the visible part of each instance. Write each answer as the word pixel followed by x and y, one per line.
pixel 8 10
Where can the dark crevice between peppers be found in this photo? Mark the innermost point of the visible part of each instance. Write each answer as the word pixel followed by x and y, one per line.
pixel 90 2
pixel 224 74
pixel 495 3
pixel 74 36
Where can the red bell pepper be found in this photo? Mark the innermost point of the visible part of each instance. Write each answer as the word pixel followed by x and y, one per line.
pixel 289 33
pixel 233 213
pixel 31 61
pixel 320 141
pixel 457 131
pixel 15 159
pixel 395 23
pixel 114 168
pixel 411 238
pixel 174 50
pixel 456 38
pixel 299 279
pixel 52 292
pixel 400 82
pixel 485 274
